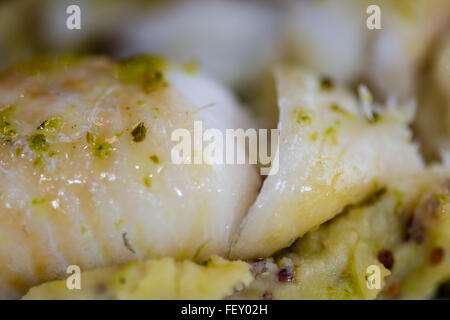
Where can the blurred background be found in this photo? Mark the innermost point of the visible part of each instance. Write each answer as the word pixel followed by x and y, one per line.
pixel 238 42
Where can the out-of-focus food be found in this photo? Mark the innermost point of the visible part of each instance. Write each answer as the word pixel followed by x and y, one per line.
pixel 86 169
pixel 235 41
pixel 403 229
pixel 18 37
pixel 331 37
pixel 101 24
pixel 334 150
pixel 397 54
pixel 165 278
pixel 432 123
pixel 327 36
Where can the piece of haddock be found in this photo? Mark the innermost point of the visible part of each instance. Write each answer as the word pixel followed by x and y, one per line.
pixel 86 169
pixel 333 151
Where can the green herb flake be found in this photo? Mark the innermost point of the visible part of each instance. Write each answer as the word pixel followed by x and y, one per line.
pixel 50 125
pixel 7 132
pixel 326 83
pixel 119 223
pixel 147 181
pixel 100 148
pixel 89 137
pixel 37 201
pixel 146 71
pixel 375 117
pixel 337 108
pixel 139 132
pixel 18 152
pixel 441 197
pixel 301 116
pixel 154 158
pixel 331 133
pixel 52 153
pixel 398 195
pixel 37 161
pixel 38 143
pixel 314 136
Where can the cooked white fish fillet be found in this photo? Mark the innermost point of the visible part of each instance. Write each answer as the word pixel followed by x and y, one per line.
pixel 333 151
pixel 86 171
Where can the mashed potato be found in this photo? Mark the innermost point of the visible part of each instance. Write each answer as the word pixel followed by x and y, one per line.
pixel 165 278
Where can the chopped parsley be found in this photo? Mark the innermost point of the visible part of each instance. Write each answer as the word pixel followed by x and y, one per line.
pixel 100 148
pixel 314 136
pixel 89 137
pixel 37 201
pixel 337 108
pixel 147 181
pixel 38 143
pixel 139 132
pixel 154 158
pixel 331 133
pixel 326 83
pixel 7 132
pixel 50 125
pixel 302 116
pixel 146 71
